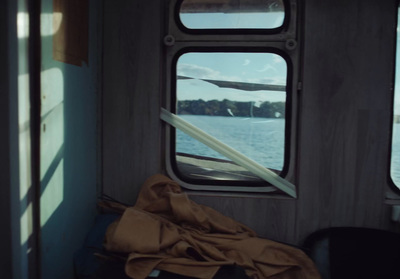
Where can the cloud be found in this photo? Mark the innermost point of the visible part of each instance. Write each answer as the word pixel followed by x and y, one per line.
pixel 197 89
pixel 246 62
pixel 277 80
pixel 267 68
pixel 278 59
pixel 199 72
pixel 195 71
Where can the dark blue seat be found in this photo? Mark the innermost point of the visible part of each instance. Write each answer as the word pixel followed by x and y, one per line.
pixel 346 252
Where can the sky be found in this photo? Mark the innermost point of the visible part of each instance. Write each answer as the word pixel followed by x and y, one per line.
pixel 264 68
pixel 232 20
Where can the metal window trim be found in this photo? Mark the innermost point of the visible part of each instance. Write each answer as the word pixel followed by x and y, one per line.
pixel 285 42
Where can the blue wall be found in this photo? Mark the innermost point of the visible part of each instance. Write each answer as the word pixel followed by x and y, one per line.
pixel 68 148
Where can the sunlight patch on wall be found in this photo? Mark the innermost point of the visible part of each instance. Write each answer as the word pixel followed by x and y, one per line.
pixel 49 24
pixel 53 194
pixel 22 25
pixel 51 143
pixel 26 224
pixel 52 138
pixel 25 178
pixel 24 135
pixel 52 94
pixel 23 100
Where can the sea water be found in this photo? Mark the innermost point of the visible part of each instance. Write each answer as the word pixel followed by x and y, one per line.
pixel 260 139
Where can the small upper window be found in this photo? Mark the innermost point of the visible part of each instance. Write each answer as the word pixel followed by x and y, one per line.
pixel 232 14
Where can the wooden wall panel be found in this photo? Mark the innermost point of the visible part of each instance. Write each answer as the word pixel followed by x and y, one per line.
pixel 345 119
pixel 270 218
pixel 131 125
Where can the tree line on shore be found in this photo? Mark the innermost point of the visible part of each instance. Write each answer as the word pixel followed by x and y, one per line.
pixel 232 108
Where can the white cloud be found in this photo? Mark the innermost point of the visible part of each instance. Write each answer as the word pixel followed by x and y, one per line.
pixel 267 68
pixel 199 72
pixel 277 80
pixel 277 59
pixel 197 89
pixel 195 71
pixel 246 62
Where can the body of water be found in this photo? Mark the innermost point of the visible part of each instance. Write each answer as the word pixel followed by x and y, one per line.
pixel 261 139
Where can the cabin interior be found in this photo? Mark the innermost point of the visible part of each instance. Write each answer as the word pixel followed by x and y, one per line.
pixel 81 90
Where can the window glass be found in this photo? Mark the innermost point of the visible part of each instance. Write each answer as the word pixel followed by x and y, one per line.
pixel 232 14
pixel 395 157
pixel 238 98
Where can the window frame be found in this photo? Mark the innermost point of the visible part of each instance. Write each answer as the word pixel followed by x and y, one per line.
pixel 177 42
pixel 289 74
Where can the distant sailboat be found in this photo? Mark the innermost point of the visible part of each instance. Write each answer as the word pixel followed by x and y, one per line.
pixel 230 112
pixel 253 104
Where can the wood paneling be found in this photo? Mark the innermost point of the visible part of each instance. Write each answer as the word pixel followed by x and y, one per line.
pixel 131 101
pixel 270 218
pixel 348 63
pixel 344 119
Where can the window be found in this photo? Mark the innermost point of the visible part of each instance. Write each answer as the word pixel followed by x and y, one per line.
pixel 238 98
pixel 395 156
pixel 228 14
pixel 237 86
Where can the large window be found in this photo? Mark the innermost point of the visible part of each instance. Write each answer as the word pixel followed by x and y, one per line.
pixel 395 156
pixel 238 86
pixel 238 98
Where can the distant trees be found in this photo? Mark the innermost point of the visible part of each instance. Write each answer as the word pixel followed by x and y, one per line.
pixel 226 107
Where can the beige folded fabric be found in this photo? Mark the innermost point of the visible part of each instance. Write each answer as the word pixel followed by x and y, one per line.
pixel 167 231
